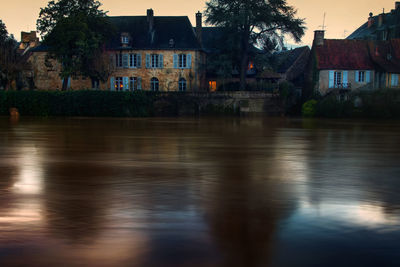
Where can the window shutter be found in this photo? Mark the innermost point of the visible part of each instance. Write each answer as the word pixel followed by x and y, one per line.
pixel 125 60
pixel 126 83
pixel 189 61
pixel 112 84
pixel 139 60
pixel 148 61
pixel 176 58
pixel 331 78
pixel 345 78
pixel 161 61
pixel 368 76
pixel 357 76
pixel 112 61
pixel 139 83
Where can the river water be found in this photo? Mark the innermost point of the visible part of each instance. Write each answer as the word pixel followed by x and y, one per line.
pixel 199 192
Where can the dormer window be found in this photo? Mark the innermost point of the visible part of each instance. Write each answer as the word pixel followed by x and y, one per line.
pixel 124 39
pixel 171 43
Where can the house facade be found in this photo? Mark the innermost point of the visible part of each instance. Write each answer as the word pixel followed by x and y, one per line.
pixel 147 53
pixel 348 65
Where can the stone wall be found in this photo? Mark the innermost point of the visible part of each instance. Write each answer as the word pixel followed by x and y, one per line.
pixel 46 72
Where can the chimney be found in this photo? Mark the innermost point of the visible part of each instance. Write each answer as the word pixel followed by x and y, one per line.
pixel 199 26
pixel 397 5
pixel 319 37
pixel 150 19
pixel 380 20
pixel 370 20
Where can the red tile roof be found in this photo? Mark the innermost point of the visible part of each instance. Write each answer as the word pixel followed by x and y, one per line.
pixel 386 54
pixel 343 55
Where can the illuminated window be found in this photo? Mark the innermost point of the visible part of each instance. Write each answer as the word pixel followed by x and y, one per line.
pixel 212 85
pixel 251 65
pixel 119 84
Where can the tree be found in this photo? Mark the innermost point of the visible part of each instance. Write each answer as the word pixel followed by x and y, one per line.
pixel 12 63
pixel 254 22
pixel 75 32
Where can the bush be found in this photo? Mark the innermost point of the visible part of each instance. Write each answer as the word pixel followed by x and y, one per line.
pixel 309 108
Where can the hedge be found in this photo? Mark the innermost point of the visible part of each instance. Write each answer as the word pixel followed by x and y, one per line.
pixel 78 103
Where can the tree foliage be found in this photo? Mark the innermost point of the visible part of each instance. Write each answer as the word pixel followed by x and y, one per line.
pixel 55 11
pixel 254 22
pixel 12 63
pixel 75 32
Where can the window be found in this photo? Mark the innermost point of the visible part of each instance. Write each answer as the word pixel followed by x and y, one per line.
pixel 155 61
pixel 182 85
pixel 361 76
pixel 135 60
pixel 119 84
pixel 95 83
pixel 154 84
pixel 135 83
pixel 212 86
pixel 124 39
pixel 118 60
pixel 338 78
pixel 182 61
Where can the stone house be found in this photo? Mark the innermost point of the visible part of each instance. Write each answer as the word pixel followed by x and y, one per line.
pixel 147 53
pixel 346 65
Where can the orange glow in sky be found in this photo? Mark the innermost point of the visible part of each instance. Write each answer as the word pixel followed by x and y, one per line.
pixel 342 16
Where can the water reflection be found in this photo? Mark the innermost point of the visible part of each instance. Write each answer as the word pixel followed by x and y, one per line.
pixel 199 192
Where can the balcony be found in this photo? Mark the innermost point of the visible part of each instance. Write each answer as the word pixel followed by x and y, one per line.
pixel 346 86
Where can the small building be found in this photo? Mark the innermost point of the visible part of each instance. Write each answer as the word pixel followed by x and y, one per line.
pixel 347 65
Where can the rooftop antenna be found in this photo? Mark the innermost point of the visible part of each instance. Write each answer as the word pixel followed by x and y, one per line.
pixel 323 26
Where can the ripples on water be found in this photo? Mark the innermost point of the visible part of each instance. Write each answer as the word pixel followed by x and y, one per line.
pixel 199 192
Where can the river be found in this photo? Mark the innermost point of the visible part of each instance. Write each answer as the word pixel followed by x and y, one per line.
pixel 199 192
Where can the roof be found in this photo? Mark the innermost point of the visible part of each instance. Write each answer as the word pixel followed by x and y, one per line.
pixel 343 54
pixel 389 20
pixel 386 55
pixel 285 60
pixel 165 28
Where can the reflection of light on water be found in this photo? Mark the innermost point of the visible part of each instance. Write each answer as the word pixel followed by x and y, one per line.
pixel 29 180
pixel 27 213
pixel 366 215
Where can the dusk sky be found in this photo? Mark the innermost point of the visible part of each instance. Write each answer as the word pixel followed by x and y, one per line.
pixel 341 15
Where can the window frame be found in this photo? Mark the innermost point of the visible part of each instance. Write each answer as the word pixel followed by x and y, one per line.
pixel 361 76
pixel 119 84
pixel 182 85
pixel 337 79
pixel 154 84
pixel 124 39
pixel 182 61
pixel 154 61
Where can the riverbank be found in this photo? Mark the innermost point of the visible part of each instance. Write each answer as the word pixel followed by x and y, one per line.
pixel 137 104
pixel 378 104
